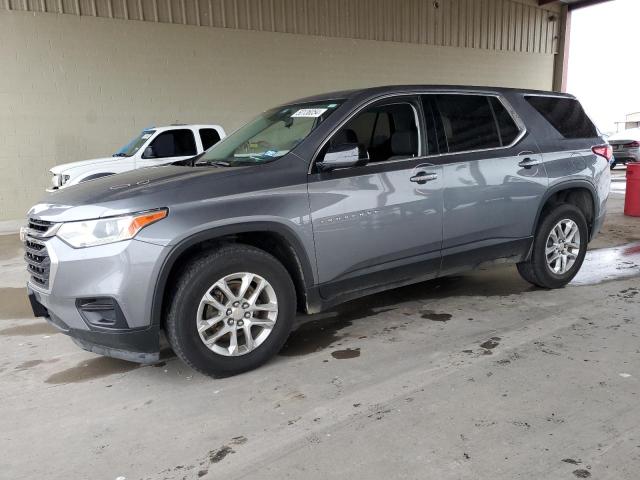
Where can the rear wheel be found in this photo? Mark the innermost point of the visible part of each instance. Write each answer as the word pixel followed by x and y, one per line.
pixel 559 248
pixel 613 165
pixel 232 310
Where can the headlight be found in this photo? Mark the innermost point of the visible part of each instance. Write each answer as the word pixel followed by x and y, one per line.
pixel 89 233
pixel 59 180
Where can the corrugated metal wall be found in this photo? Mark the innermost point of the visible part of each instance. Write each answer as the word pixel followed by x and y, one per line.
pixel 511 25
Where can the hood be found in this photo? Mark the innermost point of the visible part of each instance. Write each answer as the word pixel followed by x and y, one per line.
pixel 58 169
pixel 135 191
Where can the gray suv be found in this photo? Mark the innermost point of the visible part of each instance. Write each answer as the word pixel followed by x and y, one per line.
pixel 311 204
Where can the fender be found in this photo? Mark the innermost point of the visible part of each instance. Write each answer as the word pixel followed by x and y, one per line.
pixel 249 227
pixel 566 185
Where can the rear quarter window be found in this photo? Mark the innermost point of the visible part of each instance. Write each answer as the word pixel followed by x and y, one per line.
pixel 566 115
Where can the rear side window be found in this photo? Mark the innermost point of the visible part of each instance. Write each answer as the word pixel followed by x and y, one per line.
pixel 173 143
pixel 209 137
pixel 566 115
pixel 468 122
pixel 507 128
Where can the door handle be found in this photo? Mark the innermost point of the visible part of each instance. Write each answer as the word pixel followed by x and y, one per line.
pixel 423 177
pixel 529 162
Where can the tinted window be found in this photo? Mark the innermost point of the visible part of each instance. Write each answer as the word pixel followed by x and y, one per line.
pixel 468 122
pixel 173 143
pixel 566 115
pixel 507 127
pixel 436 141
pixel 209 137
pixel 388 132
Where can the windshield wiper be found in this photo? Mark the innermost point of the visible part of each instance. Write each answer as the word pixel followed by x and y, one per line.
pixel 119 154
pixel 218 163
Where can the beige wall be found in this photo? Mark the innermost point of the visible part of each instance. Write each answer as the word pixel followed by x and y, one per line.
pixel 514 25
pixel 74 87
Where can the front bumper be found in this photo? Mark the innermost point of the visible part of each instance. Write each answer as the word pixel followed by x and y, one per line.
pixel 123 273
pixel 134 345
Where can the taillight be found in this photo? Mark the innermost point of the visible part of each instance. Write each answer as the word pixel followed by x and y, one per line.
pixel 634 144
pixel 604 151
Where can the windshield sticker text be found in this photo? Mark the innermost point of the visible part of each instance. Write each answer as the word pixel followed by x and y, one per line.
pixel 309 112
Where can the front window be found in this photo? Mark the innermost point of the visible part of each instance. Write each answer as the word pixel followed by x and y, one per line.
pixel 270 136
pixel 134 145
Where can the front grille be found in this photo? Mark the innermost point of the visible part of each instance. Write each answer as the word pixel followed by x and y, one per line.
pixel 36 255
pixel 39 225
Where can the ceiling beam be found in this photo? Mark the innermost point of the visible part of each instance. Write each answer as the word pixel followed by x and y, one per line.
pixel 573 4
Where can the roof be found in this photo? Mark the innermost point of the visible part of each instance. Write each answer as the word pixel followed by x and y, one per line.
pixel 381 90
pixel 181 125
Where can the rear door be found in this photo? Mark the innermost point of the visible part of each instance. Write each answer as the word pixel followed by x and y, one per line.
pixel 379 224
pixel 208 137
pixel 494 178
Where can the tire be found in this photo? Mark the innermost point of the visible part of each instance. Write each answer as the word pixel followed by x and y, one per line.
pixel 536 269
pixel 201 276
pixel 613 165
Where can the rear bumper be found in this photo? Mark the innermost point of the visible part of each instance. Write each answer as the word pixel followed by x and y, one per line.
pixel 141 345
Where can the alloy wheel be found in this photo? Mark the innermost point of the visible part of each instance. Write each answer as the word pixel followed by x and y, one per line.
pixel 237 314
pixel 563 246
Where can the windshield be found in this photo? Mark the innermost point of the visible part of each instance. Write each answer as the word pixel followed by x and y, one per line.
pixel 134 145
pixel 270 136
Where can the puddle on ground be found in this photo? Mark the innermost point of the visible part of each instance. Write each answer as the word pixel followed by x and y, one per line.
pixel 92 369
pixel 434 316
pixel 33 363
pixel 321 330
pixel 490 344
pixel 14 303
pixel 600 265
pixel 40 328
pixel 607 264
pixel 346 353
pixel 313 336
pixel 10 247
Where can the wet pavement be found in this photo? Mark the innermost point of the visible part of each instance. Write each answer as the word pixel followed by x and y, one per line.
pixel 608 264
pixel 471 377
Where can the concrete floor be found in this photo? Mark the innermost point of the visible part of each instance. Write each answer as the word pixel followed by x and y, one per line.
pixel 475 377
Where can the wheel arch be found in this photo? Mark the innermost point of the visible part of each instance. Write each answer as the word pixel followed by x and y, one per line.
pixel 272 237
pixel 580 193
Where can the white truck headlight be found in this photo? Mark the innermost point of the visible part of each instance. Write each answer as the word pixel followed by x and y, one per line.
pixel 89 233
pixel 58 180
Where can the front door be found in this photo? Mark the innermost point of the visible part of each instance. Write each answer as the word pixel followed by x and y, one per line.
pixel 380 223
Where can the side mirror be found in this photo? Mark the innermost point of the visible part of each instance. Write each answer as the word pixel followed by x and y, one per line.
pixel 148 153
pixel 344 156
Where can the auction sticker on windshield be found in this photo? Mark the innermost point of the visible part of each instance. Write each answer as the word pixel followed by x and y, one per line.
pixel 309 112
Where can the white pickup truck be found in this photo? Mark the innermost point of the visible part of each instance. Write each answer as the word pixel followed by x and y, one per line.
pixel 154 146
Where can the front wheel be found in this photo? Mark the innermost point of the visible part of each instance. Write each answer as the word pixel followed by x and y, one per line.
pixel 232 310
pixel 559 248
